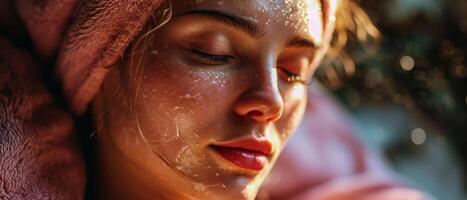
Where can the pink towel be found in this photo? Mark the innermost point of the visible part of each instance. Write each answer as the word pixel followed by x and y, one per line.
pixel 87 36
pixel 39 156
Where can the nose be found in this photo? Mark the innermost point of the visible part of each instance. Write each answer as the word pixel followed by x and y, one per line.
pixel 261 101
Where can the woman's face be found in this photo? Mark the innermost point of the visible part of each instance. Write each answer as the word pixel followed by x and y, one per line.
pixel 222 88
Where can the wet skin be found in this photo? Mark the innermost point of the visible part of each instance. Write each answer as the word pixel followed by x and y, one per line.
pixel 218 71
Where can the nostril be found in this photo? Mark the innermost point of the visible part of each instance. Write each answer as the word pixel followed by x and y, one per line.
pixel 255 113
pixel 260 105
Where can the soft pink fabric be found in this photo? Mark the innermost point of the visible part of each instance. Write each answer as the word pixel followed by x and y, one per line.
pixel 87 36
pixel 324 160
pixel 39 158
pixel 97 38
pixel 78 40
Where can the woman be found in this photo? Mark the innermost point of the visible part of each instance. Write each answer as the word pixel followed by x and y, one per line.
pixel 199 107
pixel 221 86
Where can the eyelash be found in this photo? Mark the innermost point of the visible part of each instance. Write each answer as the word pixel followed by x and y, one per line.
pixel 293 78
pixel 222 59
pixel 211 59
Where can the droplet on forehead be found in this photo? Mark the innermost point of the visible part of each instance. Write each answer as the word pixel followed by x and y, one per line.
pixel 306 15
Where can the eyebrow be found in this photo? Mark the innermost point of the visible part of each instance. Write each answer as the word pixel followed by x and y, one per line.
pixel 252 28
pixel 301 41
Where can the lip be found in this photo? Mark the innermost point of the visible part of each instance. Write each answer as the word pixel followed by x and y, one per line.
pixel 248 153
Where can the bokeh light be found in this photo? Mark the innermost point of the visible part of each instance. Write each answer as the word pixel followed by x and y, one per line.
pixel 407 63
pixel 418 136
pixel 419 76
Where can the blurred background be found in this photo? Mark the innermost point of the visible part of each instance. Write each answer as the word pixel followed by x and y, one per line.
pixel 408 90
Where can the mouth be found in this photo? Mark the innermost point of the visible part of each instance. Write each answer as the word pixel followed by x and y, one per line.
pixel 249 153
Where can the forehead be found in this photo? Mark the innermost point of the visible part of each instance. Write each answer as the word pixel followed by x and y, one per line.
pixel 303 17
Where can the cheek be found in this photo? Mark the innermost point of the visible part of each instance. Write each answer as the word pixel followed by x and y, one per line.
pixel 176 108
pixel 295 101
pixel 180 90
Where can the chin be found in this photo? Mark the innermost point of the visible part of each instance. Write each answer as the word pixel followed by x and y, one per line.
pixel 226 194
pixel 228 188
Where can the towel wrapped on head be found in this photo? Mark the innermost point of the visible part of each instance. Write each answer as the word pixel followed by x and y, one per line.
pixel 67 41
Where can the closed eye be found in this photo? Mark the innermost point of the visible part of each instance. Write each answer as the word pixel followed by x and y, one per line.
pixel 211 59
pixel 290 77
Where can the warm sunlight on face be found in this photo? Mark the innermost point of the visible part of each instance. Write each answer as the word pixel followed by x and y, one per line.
pixel 221 92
